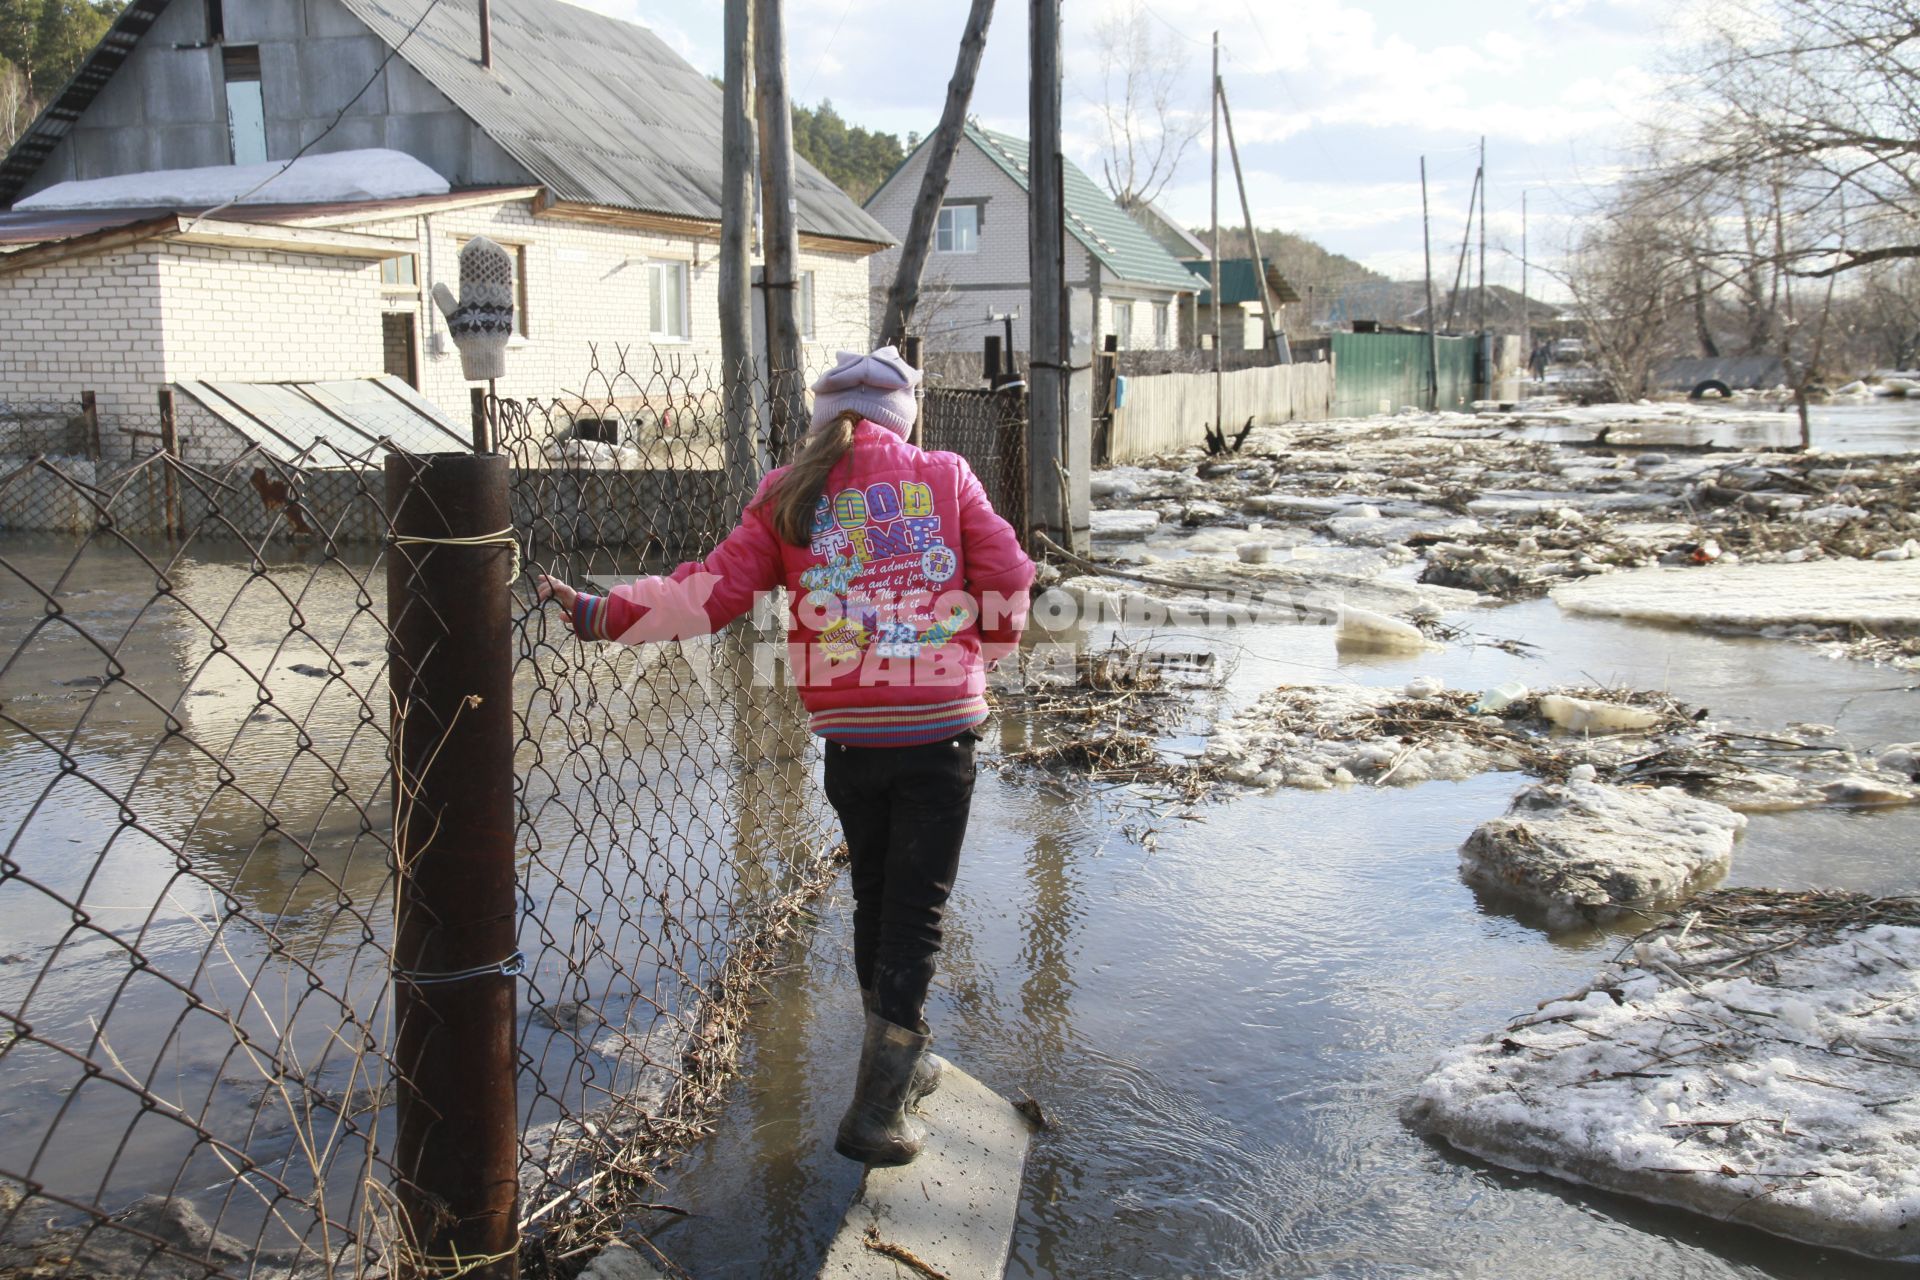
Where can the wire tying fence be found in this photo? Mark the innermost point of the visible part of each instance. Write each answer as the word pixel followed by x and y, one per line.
pixel 198 831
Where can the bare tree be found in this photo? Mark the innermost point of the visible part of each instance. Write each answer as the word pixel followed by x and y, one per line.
pixel 1823 98
pixel 904 297
pixel 1632 290
pixel 1147 129
pixel 17 106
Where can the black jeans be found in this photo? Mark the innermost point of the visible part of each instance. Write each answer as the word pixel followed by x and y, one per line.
pixel 904 812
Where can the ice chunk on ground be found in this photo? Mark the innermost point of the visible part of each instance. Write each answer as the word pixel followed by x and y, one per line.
pixel 1589 850
pixel 1751 1061
pixel 1377 532
pixel 1883 595
pixel 372 174
pixel 1364 629
pixel 1579 715
pixel 1131 521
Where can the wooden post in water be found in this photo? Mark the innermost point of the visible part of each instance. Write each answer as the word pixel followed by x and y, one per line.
pixel 780 284
pixel 739 154
pixel 170 454
pixel 1047 327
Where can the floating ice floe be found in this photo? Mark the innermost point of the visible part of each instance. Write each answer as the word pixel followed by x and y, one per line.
pixel 1586 850
pixel 1752 1061
pixel 1883 595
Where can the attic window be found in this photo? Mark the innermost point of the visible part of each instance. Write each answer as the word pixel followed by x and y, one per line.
pixel 246 108
pixel 958 229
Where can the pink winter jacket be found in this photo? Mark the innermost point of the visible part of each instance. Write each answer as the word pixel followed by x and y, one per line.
pixel 912 586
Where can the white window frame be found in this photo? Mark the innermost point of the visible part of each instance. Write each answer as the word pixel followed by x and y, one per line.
pixel 658 270
pixel 804 305
pixel 409 286
pixel 1162 326
pixel 1123 325
pixel 947 232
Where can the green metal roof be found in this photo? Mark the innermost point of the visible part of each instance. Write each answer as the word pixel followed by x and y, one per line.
pixel 1237 282
pixel 1120 243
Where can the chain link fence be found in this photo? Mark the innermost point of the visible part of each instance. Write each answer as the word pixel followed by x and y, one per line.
pixel 989 428
pixel 200 860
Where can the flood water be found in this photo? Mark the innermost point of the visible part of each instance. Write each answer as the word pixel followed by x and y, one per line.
pixel 1222 1016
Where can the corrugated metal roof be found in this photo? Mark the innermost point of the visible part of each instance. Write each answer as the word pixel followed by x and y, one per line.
pixel 1121 244
pixel 33 147
pixel 323 424
pixel 1237 282
pixel 599 110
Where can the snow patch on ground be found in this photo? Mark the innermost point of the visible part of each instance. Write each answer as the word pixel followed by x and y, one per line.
pixel 1588 850
pixel 1758 1075
pixel 373 174
pixel 1879 594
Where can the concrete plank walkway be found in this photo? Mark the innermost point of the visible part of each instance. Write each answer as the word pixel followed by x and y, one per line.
pixel 951 1212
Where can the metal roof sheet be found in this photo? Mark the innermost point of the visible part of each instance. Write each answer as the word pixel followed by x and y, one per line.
pixel 1237 283
pixel 599 110
pixel 323 424
pixel 1121 244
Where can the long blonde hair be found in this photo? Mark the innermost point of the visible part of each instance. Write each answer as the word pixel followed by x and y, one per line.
pixel 796 495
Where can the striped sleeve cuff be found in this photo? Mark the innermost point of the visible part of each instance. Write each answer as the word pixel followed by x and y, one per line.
pixel 590 617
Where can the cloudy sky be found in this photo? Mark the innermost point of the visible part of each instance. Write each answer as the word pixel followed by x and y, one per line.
pixel 1334 101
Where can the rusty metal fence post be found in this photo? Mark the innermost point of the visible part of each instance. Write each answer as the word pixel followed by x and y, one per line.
pixel 456 908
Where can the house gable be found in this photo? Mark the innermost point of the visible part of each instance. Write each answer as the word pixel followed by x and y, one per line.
pixel 599 111
pixel 163 107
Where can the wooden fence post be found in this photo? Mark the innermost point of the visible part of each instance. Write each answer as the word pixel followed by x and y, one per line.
pixel 170 453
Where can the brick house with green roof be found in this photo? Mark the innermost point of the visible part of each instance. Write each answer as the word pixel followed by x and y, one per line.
pixel 979 262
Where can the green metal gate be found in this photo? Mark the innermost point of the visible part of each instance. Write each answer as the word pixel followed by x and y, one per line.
pixel 1385 372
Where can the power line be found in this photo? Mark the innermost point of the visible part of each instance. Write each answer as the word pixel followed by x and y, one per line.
pixel 815 73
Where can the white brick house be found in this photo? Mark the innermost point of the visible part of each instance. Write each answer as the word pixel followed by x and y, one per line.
pixel 603 181
pixel 979 262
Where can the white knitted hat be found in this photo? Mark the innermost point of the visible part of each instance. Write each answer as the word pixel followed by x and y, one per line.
pixel 878 387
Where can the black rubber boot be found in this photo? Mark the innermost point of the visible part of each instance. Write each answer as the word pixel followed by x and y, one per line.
pixel 926 1076
pixel 875 1129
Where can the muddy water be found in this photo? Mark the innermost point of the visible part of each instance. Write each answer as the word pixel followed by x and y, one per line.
pixel 1222 1026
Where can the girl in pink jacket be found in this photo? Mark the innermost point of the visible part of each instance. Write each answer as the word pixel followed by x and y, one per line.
pixel 903 587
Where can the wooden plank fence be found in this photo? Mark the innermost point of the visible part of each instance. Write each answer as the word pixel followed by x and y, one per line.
pixel 1169 412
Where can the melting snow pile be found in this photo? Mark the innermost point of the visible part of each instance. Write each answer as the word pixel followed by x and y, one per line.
pixel 335 177
pixel 1753 1061
pixel 1588 850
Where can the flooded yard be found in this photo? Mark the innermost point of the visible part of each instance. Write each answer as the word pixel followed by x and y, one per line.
pixel 1222 1009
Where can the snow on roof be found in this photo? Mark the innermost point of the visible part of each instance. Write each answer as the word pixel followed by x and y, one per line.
pixel 372 174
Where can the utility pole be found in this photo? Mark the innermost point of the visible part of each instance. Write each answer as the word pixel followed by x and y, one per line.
pixel 1047 328
pixel 739 160
pixel 1219 388
pixel 1460 275
pixel 1526 308
pixel 905 294
pixel 1433 341
pixel 780 283
pixel 1482 316
pixel 1268 327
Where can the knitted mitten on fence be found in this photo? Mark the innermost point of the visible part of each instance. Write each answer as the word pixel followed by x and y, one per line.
pixel 482 320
